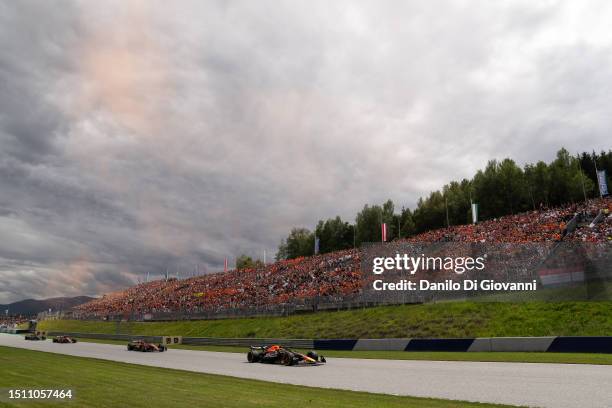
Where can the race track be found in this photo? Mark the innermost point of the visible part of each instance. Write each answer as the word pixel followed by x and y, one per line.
pixel 531 384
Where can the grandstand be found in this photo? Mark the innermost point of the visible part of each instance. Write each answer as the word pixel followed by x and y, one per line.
pixel 12 321
pixel 336 276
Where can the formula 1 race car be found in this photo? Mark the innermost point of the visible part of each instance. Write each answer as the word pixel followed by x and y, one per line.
pixel 64 339
pixel 141 345
pixel 276 354
pixel 35 337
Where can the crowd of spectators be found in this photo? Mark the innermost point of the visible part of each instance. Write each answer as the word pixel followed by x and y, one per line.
pixel 532 226
pixel 12 321
pixel 328 275
pixel 337 274
pixel 596 220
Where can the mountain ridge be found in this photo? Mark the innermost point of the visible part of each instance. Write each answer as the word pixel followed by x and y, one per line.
pixel 34 306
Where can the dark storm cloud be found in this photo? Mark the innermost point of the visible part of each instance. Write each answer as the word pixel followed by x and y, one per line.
pixel 141 137
pixel 31 44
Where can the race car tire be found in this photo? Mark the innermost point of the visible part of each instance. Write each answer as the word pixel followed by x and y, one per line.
pixel 55 340
pixel 130 348
pixel 254 356
pixel 286 359
pixel 74 340
pixel 44 338
pixel 313 354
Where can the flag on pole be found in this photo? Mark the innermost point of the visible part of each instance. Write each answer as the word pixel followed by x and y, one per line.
pixel 225 265
pixel 603 185
pixel 474 213
pixel 316 248
pixel 384 232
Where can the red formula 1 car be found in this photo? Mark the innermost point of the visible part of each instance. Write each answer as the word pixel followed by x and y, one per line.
pixel 64 339
pixel 276 354
pixel 141 345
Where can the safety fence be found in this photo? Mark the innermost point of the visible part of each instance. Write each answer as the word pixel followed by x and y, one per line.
pixel 13 330
pixel 559 344
pixel 316 304
pixel 104 336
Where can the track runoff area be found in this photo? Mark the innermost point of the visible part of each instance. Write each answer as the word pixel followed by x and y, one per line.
pixel 515 384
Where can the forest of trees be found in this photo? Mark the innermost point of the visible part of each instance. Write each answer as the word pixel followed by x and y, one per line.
pixel 502 188
pixel 246 262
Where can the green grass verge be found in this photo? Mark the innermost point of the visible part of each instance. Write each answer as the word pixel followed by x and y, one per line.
pixel 99 383
pixel 450 319
pixel 508 357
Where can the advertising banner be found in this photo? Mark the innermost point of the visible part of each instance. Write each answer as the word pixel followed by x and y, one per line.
pixel 601 181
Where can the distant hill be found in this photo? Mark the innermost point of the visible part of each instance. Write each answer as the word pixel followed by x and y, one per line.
pixel 34 306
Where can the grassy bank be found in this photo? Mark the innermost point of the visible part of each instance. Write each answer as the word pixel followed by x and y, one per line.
pixel 99 383
pixel 453 319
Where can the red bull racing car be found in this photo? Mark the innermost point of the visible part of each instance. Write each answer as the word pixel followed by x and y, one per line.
pixel 64 339
pixel 276 354
pixel 141 345
pixel 35 337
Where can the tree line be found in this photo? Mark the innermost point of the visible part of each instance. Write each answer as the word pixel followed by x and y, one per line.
pixel 502 188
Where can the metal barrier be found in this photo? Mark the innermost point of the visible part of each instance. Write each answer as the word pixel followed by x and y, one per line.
pixel 246 342
pixel 310 305
pixel 103 336
pixel 194 341
pixel 14 331
pixel 559 344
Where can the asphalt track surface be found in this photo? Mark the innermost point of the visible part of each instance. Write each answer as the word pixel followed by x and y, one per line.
pixel 528 384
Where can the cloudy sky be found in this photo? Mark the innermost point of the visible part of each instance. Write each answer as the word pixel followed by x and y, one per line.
pixel 137 136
